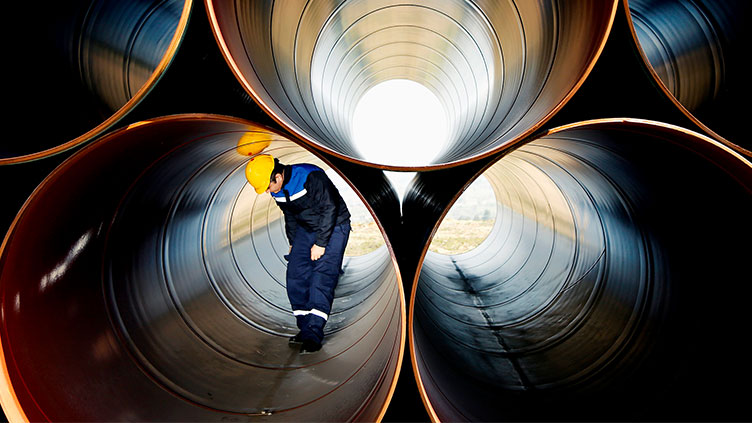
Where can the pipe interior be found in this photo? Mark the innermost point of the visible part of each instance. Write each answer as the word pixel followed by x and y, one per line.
pixel 499 69
pixel 697 49
pixel 160 287
pixel 611 286
pixel 82 62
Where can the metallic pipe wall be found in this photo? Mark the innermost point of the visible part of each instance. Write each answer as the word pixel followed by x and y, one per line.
pixel 611 286
pixel 500 69
pixel 84 65
pixel 618 243
pixel 695 51
pixel 157 292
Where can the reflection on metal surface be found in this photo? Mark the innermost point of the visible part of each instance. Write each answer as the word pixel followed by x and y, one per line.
pixel 86 64
pixel 500 69
pixel 695 50
pixel 603 290
pixel 168 301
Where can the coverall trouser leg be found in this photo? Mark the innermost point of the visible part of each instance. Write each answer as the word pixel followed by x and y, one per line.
pixel 311 284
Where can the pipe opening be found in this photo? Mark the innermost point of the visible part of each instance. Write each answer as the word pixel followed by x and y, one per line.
pixel 469 221
pixel 498 68
pixel 400 116
pixel 366 236
pixel 695 50
pixel 85 65
pixel 161 286
pixel 611 259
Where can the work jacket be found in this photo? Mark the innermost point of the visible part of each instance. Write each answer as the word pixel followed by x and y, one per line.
pixel 308 198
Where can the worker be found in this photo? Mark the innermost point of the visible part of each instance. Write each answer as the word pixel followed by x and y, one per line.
pixel 317 225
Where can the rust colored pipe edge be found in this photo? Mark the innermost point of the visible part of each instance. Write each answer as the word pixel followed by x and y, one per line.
pixel 307 64
pixel 695 53
pixel 116 57
pixel 156 293
pixel 609 288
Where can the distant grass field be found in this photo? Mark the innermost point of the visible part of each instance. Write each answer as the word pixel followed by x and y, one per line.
pixel 453 237
pixel 364 238
pixel 460 236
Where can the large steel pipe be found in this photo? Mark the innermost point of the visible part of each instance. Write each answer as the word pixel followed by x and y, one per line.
pixel 84 65
pixel 613 286
pixel 500 69
pixel 696 51
pixel 155 292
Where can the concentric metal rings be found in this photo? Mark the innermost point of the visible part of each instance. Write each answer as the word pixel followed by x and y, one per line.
pixel 695 51
pixel 173 292
pixel 84 67
pixel 500 69
pixel 584 300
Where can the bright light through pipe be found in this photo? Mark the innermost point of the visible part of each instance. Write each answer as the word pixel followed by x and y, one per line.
pixel 499 69
pixel 400 121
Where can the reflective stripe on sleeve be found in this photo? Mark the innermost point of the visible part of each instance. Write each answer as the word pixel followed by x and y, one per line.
pixel 292 197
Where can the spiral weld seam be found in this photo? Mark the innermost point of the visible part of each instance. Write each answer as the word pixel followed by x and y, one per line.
pixel 467 321
pixel 546 280
pixel 111 108
pixel 190 314
pixel 281 70
pixel 692 50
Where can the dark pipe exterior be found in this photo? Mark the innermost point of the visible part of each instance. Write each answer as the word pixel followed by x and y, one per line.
pixel 603 290
pixel 696 52
pixel 159 286
pixel 85 65
pixel 700 313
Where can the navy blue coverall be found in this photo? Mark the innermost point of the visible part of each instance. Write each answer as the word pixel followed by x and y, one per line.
pixel 315 213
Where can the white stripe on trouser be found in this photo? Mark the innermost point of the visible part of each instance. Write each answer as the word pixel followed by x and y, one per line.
pixel 312 311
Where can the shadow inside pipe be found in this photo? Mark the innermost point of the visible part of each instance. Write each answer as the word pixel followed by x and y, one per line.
pixel 160 286
pixel 696 51
pixel 84 64
pixel 610 287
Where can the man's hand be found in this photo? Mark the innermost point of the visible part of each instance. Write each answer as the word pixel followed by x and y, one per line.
pixel 317 252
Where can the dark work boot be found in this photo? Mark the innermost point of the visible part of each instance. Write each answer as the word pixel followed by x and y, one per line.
pixel 296 341
pixel 309 346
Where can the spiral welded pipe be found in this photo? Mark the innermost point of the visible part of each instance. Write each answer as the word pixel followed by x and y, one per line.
pixel 85 66
pixel 499 69
pixel 157 291
pixel 695 52
pixel 611 286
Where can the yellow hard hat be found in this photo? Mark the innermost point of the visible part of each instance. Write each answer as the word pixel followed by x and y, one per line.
pixel 258 171
pixel 253 143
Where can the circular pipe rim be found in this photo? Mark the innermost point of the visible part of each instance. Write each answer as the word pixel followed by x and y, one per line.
pixel 712 145
pixel 142 92
pixel 668 94
pixel 8 398
pixel 218 36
